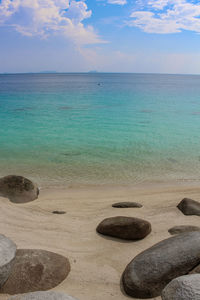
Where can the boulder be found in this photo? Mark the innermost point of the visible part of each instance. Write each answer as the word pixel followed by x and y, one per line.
pixel 150 271
pixel 183 288
pixel 42 296
pixel 36 270
pixel 127 204
pixel 182 229
pixel 127 228
pixel 18 189
pixel 7 255
pixel 189 207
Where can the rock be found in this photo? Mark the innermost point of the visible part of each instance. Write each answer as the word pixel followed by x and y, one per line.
pixel 36 270
pixel 196 270
pixel 42 296
pixel 58 212
pixel 127 228
pixel 189 207
pixel 18 189
pixel 150 271
pixel 182 229
pixel 126 204
pixel 7 255
pixel 183 288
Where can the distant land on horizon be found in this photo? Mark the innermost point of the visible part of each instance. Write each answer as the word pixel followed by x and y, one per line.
pixel 95 72
pixel 54 72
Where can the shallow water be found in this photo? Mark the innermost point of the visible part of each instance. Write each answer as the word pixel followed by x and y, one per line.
pixel 100 128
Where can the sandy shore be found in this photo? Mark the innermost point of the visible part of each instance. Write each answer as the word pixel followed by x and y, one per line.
pixel 96 262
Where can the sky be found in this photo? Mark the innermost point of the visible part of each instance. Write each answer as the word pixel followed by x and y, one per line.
pixel 146 36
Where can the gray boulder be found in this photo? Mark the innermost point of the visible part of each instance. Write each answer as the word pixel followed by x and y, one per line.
pixel 150 271
pixel 7 255
pixel 36 270
pixel 189 207
pixel 182 229
pixel 183 288
pixel 18 189
pixel 42 296
pixel 127 204
pixel 127 228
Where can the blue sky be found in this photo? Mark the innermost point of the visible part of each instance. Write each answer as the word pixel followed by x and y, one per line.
pixel 105 35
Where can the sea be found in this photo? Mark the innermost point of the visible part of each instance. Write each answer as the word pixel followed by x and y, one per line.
pixel 100 128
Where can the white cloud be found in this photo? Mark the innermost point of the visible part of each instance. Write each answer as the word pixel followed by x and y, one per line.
pixel 167 16
pixel 119 2
pixel 46 17
pixel 158 4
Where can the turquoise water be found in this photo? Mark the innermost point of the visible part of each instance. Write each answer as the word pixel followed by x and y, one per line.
pixel 100 128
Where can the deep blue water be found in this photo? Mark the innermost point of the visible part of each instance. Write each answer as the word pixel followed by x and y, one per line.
pixel 100 128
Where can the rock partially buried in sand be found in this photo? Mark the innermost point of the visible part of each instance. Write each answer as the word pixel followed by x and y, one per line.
pixel 189 207
pixel 43 296
pixel 127 205
pixel 127 228
pixel 150 271
pixel 58 212
pixel 7 255
pixel 18 189
pixel 182 229
pixel 183 288
pixel 36 270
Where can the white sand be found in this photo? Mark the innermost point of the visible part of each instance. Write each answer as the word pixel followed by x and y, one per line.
pixel 96 262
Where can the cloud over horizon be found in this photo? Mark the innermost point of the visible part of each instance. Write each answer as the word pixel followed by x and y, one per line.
pixel 45 17
pixel 166 16
pixel 71 35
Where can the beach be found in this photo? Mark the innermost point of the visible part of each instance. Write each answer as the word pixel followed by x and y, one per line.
pixel 97 262
pixel 99 150
pixel 88 141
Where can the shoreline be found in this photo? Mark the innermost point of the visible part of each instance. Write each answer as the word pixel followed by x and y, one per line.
pixel 138 186
pixel 97 262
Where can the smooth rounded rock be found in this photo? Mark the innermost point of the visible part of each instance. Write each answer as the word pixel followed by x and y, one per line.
pixel 36 270
pixel 127 228
pixel 182 229
pixel 7 256
pixel 189 207
pixel 183 288
pixel 18 189
pixel 43 296
pixel 150 271
pixel 127 205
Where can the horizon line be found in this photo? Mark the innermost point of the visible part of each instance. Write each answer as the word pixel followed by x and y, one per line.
pixel 94 73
